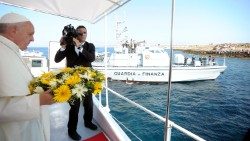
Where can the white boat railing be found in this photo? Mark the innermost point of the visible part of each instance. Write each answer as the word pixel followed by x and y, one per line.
pixel 171 124
pixel 126 128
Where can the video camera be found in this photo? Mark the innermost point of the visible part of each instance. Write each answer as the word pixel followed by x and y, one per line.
pixel 68 33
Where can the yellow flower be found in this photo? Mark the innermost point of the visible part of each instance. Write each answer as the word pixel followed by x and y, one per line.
pixel 92 74
pixel 32 84
pixel 101 77
pixel 31 88
pixel 46 77
pixel 82 69
pixel 72 80
pixel 66 70
pixel 62 94
pixel 97 88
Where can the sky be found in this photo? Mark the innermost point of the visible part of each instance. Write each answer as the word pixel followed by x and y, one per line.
pixel 195 22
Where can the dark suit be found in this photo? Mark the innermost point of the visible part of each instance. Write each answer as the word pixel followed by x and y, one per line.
pixel 83 59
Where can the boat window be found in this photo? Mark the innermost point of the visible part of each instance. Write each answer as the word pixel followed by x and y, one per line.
pixel 36 63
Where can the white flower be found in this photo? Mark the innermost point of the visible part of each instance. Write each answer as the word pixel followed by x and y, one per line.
pixel 55 72
pixel 39 90
pixel 79 90
pixel 65 76
pixel 53 83
pixel 86 76
pixel 60 81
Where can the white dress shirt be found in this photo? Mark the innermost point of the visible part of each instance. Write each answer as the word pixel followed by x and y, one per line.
pixel 77 49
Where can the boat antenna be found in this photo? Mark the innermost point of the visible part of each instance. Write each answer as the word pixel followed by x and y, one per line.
pixel 167 128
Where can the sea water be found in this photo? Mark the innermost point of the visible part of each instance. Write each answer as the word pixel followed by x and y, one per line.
pixel 215 109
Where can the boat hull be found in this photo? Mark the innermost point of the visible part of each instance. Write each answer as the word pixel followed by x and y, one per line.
pixel 161 74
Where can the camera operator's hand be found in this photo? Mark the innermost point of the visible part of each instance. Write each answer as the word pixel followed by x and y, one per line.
pixel 77 42
pixel 62 42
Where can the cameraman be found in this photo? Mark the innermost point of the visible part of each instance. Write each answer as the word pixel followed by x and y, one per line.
pixel 78 53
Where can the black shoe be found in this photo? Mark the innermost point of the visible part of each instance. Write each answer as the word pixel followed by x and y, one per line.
pixel 74 135
pixel 91 126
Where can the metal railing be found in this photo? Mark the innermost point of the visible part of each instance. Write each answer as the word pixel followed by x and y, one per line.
pixel 171 124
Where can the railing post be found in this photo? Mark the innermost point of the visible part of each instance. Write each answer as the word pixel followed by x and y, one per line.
pixel 167 130
pixel 105 58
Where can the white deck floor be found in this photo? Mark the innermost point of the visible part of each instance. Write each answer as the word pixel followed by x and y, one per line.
pixel 59 120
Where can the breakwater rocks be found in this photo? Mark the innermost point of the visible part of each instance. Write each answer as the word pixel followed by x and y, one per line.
pixel 241 50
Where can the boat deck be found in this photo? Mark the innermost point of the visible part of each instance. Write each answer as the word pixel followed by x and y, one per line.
pixel 59 120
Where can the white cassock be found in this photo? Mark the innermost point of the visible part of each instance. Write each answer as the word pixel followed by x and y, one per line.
pixel 21 117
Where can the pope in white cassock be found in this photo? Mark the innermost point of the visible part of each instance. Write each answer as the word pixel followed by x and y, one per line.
pixel 22 117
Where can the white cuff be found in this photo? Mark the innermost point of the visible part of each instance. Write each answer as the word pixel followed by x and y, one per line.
pixel 62 49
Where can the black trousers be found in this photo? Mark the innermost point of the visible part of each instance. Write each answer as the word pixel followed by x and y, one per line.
pixel 74 110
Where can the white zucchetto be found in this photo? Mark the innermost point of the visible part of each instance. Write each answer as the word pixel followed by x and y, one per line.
pixel 13 18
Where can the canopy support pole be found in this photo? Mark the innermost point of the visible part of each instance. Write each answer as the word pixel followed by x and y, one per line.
pixel 167 128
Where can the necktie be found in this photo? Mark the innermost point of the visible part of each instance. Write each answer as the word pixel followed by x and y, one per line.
pixel 79 49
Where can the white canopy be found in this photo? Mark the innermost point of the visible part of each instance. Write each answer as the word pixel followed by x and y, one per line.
pixel 88 10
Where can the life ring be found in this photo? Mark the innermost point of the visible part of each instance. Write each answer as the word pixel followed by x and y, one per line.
pixel 147 56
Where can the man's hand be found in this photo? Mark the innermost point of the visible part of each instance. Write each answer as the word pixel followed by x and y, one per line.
pixel 62 42
pixel 77 43
pixel 46 98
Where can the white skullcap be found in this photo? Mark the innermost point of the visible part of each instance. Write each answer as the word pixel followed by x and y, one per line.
pixel 13 18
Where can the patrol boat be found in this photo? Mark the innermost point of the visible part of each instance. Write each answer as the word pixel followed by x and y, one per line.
pixel 151 64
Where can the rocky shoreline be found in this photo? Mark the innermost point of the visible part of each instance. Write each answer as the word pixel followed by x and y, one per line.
pixel 241 50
